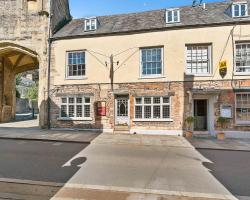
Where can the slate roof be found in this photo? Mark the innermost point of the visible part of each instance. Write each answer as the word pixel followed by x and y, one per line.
pixel 215 13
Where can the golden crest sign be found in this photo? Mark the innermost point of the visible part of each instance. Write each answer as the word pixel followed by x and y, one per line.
pixel 223 68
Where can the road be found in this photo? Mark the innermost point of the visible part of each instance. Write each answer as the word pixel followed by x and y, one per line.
pixel 231 168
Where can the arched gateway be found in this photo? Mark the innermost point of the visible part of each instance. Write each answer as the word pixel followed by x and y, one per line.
pixel 25 29
pixel 14 59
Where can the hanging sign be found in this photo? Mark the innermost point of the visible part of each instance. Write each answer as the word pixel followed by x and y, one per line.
pixel 223 68
pixel 101 108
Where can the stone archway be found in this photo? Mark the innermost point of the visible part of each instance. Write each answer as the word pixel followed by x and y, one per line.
pixel 14 59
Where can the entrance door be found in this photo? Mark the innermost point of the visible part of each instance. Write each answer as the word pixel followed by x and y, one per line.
pixel 200 114
pixel 122 110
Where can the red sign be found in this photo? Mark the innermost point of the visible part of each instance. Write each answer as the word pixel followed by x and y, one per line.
pixel 101 109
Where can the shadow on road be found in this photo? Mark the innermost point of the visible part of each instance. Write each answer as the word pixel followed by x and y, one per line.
pixel 231 168
pixel 40 164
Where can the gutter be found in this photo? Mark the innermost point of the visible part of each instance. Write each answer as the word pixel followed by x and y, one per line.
pixel 49 68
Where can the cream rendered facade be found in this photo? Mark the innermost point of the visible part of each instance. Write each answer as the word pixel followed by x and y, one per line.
pixel 183 89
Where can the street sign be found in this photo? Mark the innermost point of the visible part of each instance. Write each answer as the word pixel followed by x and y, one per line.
pixel 223 68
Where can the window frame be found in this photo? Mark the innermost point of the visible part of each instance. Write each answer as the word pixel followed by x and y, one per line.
pixel 210 57
pixel 172 11
pixel 235 110
pixel 162 63
pixel 240 9
pixel 68 77
pixel 67 104
pixel 91 19
pixel 152 104
pixel 235 59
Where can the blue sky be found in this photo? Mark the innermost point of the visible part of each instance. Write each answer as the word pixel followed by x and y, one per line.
pixel 83 8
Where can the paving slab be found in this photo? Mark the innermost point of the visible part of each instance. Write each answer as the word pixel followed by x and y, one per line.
pixel 173 169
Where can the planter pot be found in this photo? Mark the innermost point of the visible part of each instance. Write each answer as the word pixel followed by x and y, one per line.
pixel 221 136
pixel 189 134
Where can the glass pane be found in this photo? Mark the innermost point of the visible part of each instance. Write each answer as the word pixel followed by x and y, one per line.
pixel 87 111
pixel 138 112
pixel 71 111
pixel 165 99
pixel 166 112
pixel 87 100
pixel 157 100
pixel 147 112
pixel 138 100
pixel 64 100
pixel 79 111
pixel 63 111
pixel 157 112
pixel 71 100
pixel 147 100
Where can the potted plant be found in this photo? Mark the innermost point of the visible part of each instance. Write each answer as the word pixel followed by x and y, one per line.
pixel 189 125
pixel 223 122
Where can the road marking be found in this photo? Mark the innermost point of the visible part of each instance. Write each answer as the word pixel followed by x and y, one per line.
pixel 57 144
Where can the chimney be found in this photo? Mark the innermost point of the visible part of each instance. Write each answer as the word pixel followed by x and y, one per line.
pixel 204 6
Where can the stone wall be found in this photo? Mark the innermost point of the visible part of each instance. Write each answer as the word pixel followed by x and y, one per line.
pixel 181 106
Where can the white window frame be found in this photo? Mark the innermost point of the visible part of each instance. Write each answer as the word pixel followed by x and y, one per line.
pixel 172 11
pixel 236 120
pixel 161 104
pixel 239 4
pixel 68 77
pixel 235 67
pixel 209 61
pixel 162 64
pixel 83 104
pixel 90 20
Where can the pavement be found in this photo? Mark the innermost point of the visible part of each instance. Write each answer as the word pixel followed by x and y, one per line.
pixel 227 144
pixel 171 170
pixel 29 130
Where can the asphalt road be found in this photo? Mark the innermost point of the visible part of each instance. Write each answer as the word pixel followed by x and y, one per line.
pixel 231 168
pixel 38 161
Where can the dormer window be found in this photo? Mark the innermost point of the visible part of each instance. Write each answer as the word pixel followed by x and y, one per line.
pixel 90 24
pixel 173 15
pixel 240 9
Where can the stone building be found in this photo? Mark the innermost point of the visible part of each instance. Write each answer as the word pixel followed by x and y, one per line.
pixel 25 28
pixel 146 72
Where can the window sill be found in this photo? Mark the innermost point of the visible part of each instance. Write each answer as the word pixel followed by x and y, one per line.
pixel 198 75
pixel 153 120
pixel 242 124
pixel 152 77
pixel 242 73
pixel 74 119
pixel 76 78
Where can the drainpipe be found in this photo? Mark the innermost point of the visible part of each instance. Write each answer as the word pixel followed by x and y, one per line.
pixel 49 66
